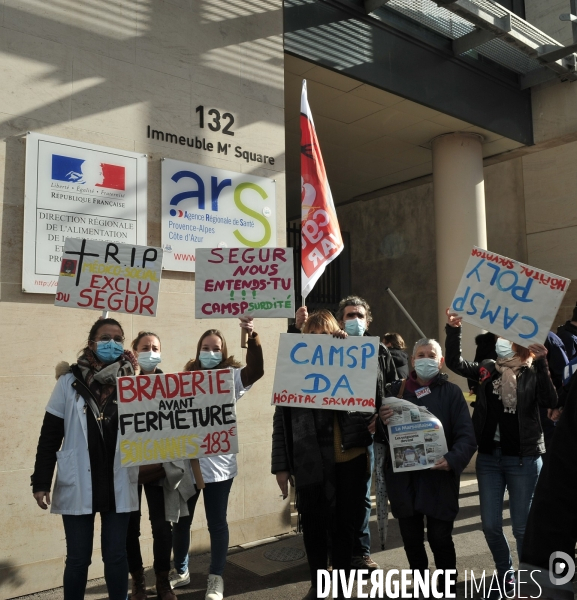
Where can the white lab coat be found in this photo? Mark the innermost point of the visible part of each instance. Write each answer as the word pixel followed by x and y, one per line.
pixel 72 494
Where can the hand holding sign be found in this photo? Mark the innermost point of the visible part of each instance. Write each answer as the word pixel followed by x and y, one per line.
pixel 453 319
pixel 509 298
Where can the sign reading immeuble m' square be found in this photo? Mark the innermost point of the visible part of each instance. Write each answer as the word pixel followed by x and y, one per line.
pixel 79 190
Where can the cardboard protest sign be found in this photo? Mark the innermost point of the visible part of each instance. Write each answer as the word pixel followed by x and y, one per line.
pixel 108 276
pixel 508 298
pixel 176 416
pixel 320 371
pixel 416 436
pixel 244 281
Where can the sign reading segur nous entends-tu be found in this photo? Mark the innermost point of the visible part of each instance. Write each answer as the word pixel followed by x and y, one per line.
pixel 78 190
pixel 204 207
pixel 244 281
pixel 319 371
pixel 508 298
pixel 175 416
pixel 109 276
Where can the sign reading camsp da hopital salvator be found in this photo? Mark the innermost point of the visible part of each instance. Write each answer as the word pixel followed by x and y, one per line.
pixel 78 190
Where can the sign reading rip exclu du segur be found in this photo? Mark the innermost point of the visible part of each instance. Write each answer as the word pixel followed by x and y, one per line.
pixel 508 298
pixel 176 416
pixel 109 276
pixel 244 281
pixel 319 371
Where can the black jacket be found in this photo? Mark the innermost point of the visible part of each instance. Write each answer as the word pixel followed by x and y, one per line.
pixel 354 434
pixel 433 493
pixel 401 361
pixel 534 389
pixel 568 335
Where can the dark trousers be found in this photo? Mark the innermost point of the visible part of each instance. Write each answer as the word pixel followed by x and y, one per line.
pixel 439 535
pixel 79 531
pixel 161 531
pixel 318 525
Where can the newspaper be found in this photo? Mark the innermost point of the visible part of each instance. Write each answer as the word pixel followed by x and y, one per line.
pixel 416 436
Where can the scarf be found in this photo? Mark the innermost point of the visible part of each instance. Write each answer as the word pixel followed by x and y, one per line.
pixel 505 387
pixel 101 378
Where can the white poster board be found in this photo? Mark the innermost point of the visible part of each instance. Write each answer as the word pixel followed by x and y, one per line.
pixel 508 298
pixel 79 190
pixel 205 207
pixel 416 436
pixel 320 371
pixel 176 416
pixel 230 282
pixel 109 276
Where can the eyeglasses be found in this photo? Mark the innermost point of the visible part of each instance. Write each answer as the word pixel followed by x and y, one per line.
pixel 106 338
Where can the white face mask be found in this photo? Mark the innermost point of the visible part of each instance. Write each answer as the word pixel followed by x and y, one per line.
pixel 504 348
pixel 148 360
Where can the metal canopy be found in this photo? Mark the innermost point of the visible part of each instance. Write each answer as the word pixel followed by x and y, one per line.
pixel 489 29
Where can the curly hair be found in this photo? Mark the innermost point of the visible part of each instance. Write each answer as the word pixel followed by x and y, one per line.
pixel 353 301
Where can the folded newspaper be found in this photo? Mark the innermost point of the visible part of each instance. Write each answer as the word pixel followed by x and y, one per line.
pixel 416 436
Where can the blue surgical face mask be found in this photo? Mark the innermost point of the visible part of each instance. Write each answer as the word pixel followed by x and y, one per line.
pixel 148 360
pixel 504 348
pixel 355 326
pixel 109 351
pixel 426 368
pixel 209 360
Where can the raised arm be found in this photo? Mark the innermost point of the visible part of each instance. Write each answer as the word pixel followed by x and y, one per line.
pixel 545 391
pixel 453 358
pixel 254 368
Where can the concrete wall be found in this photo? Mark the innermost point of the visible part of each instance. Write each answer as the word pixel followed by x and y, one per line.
pixel 100 73
pixel 393 244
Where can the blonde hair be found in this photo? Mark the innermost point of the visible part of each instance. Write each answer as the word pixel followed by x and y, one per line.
pixel 321 319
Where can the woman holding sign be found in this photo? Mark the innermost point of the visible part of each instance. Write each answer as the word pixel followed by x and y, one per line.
pixel 146 348
pixel 429 492
pixel 219 472
pixel 326 453
pixel 80 434
pixel 509 435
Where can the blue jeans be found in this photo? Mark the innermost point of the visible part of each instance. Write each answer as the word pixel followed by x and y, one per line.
pixel 215 505
pixel 519 476
pixel 79 530
pixel 362 543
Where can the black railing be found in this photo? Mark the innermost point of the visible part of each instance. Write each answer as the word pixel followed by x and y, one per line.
pixel 333 284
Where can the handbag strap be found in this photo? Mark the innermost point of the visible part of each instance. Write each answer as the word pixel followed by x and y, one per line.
pixel 402 388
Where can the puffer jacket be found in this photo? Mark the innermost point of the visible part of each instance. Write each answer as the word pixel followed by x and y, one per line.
pixel 534 389
pixel 354 434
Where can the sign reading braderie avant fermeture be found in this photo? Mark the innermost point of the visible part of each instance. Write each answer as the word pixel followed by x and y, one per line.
pixel 244 281
pixel 109 276
pixel 78 190
pixel 205 207
pixel 319 371
pixel 508 298
pixel 176 416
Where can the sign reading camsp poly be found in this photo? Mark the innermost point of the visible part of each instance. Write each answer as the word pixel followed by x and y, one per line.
pixel 176 416
pixel 508 298
pixel 319 371
pixel 204 207
pixel 78 190
pixel 109 276
pixel 244 281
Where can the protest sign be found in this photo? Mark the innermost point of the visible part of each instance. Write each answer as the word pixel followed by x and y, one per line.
pixel 107 276
pixel 416 436
pixel 176 416
pixel 320 371
pixel 508 298
pixel 244 281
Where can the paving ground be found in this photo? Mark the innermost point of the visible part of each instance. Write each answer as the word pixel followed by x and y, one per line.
pixel 290 580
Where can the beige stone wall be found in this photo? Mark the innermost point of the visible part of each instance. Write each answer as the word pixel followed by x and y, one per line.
pixel 100 73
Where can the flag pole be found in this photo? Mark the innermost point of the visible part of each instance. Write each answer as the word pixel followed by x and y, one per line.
pixel 405 312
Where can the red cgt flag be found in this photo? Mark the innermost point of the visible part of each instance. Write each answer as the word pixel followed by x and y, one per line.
pixel 320 233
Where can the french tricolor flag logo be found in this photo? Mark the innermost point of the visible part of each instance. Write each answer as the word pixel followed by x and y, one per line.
pixel 88 172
